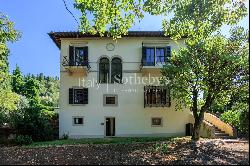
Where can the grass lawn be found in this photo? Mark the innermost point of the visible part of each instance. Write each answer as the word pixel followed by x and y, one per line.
pixel 115 140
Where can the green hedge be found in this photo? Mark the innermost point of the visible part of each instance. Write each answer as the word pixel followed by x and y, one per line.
pixel 23 140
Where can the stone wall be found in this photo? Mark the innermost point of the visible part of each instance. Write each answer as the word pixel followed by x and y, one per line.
pixel 207 130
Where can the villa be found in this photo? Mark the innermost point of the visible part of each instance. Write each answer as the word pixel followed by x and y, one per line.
pixel 112 87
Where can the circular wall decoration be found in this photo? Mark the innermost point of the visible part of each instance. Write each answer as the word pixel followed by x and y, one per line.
pixel 110 47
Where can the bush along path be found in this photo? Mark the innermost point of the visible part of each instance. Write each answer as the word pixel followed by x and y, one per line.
pixel 205 151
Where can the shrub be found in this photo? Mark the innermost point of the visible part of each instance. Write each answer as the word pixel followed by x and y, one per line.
pixel 49 114
pixel 32 122
pixel 244 122
pixel 65 136
pixel 238 117
pixel 23 140
pixel 162 148
pixel 231 117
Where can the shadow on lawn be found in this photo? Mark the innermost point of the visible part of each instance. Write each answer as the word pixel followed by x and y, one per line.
pixel 207 153
pixel 112 154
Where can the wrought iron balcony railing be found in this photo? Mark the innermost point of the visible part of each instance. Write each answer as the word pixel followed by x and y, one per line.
pixel 75 62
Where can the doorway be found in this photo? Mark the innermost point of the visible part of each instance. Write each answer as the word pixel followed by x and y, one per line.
pixel 110 126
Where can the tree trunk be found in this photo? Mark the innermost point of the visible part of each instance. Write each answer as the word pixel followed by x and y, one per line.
pixel 196 130
pixel 199 117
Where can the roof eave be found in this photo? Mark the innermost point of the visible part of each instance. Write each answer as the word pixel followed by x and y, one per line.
pixel 56 36
pixel 51 35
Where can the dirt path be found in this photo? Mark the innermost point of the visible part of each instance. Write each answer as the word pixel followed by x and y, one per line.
pixel 202 152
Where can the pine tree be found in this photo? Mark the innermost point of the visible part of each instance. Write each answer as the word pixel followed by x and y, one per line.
pixel 31 91
pixel 17 81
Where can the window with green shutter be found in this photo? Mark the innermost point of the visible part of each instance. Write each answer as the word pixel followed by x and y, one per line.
pixel 152 56
pixel 78 96
pixel 78 56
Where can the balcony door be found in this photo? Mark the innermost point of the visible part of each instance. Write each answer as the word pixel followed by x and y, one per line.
pixel 78 56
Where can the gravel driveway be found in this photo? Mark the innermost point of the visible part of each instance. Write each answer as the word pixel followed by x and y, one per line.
pixel 202 152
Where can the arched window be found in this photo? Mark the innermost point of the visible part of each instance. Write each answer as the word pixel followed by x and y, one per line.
pixel 104 70
pixel 116 70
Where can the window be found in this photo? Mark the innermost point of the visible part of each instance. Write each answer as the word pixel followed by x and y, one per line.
pixel 154 55
pixel 104 70
pixel 116 70
pixel 156 121
pixel 78 96
pixel 78 56
pixel 160 55
pixel 155 96
pixel 110 100
pixel 77 120
pixel 150 57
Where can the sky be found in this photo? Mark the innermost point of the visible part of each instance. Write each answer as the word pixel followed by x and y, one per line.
pixel 35 52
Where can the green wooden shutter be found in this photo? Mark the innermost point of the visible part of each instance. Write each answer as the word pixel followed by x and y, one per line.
pixel 71 56
pixel 167 54
pixel 71 96
pixel 143 59
pixel 85 96
pixel 85 59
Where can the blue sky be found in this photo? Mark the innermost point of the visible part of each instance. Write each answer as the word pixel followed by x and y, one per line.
pixel 35 52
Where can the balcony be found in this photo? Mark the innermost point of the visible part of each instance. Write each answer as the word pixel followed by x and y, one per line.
pixel 76 66
pixel 151 68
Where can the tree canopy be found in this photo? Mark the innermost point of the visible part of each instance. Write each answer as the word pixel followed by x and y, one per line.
pixel 208 71
pixel 115 15
pixel 191 17
pixel 8 99
pixel 39 89
pixel 26 102
pixel 210 67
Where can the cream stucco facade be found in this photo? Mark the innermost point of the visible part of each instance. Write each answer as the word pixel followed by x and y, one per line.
pixel 131 117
